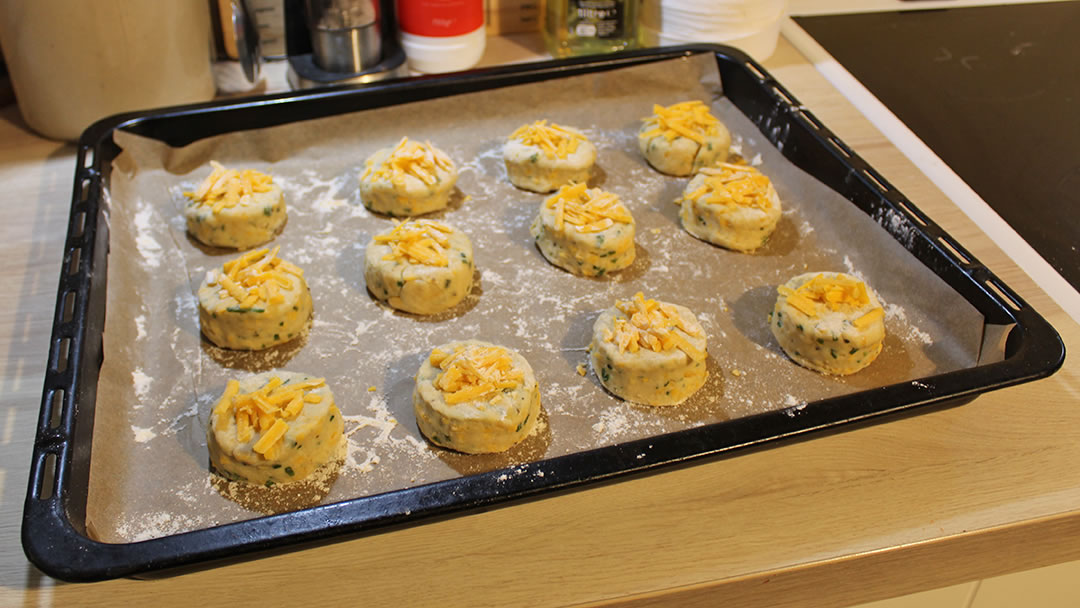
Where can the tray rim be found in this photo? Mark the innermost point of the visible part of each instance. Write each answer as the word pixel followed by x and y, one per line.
pixel 59 546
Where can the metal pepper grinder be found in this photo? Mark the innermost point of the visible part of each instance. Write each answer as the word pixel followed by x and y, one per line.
pixel 331 42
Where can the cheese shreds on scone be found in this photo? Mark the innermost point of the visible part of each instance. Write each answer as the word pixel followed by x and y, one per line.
pixel 274 428
pixel 734 206
pixel 255 301
pixel 542 156
pixel 475 397
pixel 235 208
pixel 649 352
pixel 681 138
pixel 412 178
pixel 420 266
pixel 553 140
pixel 419 242
pixel 829 322
pixel 586 231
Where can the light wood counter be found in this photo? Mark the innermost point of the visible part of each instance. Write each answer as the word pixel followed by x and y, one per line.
pixel 969 492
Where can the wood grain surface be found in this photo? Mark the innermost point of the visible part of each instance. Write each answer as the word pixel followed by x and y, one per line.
pixel 952 495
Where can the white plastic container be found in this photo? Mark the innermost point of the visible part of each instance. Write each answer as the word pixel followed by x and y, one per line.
pixel 750 25
pixel 442 35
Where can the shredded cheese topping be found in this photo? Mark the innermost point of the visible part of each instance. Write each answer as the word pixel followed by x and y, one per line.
pixel 226 187
pixel 253 280
pixel 421 161
pixel 554 140
pixel 837 293
pixel 475 372
pixel 587 209
pixel 418 242
pixel 265 410
pixel 651 325
pixel 690 119
pixel 730 184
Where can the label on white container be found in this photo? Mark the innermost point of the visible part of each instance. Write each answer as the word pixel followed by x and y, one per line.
pixel 440 18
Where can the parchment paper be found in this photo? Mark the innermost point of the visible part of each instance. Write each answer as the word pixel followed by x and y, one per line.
pixel 160 378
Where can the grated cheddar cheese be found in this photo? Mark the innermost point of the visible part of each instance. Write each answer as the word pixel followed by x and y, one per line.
pixel 253 280
pixel 690 119
pixel 837 293
pixel 421 161
pixel 731 184
pixel 475 372
pixel 227 187
pixel 587 209
pixel 556 141
pixel 265 410
pixel 418 242
pixel 651 325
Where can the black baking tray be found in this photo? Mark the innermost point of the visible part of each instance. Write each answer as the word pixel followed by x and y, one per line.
pixel 54 534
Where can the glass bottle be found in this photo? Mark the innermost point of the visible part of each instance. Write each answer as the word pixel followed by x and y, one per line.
pixel 584 27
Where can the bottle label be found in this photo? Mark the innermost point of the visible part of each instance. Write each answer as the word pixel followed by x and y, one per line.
pixel 440 18
pixel 602 19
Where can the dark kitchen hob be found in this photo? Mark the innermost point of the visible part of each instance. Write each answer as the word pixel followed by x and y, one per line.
pixel 994 92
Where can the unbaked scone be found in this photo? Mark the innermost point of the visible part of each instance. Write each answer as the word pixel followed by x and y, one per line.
pixel 541 157
pixel 476 397
pixel 409 179
pixel 586 231
pixel 237 209
pixel 733 206
pixel 274 427
pixel 829 322
pixel 682 138
pixel 649 352
pixel 254 302
pixel 419 266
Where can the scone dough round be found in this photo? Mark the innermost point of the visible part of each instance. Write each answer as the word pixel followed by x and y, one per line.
pixel 312 439
pixel 407 180
pixel 733 206
pixel 648 377
pixel 670 152
pixel 255 218
pixel 590 252
pixel 412 286
pixel 483 425
pixel 532 167
pixel 837 341
pixel 231 323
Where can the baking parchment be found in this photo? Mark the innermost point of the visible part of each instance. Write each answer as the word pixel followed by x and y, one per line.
pixel 149 470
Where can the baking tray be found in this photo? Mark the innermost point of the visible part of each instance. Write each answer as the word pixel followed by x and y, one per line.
pixel 54 532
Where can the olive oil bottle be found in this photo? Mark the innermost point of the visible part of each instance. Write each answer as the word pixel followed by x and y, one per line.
pixel 585 27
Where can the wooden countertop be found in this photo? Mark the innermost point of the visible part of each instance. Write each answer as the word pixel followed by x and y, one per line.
pixel 979 490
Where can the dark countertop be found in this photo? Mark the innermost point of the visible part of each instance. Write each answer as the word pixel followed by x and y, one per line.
pixel 994 92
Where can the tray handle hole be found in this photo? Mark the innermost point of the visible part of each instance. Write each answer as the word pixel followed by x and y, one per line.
pixel 841 146
pixel 810 118
pixel 88 157
pixel 954 249
pixel 68 311
pixel 56 408
pixel 78 226
pixel 47 479
pixel 911 213
pixel 782 94
pixel 62 353
pixel 84 190
pixel 1002 294
pixel 76 259
pixel 756 72
pixel 877 180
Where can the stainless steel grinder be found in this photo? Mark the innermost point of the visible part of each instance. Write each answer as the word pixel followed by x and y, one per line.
pixel 332 42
